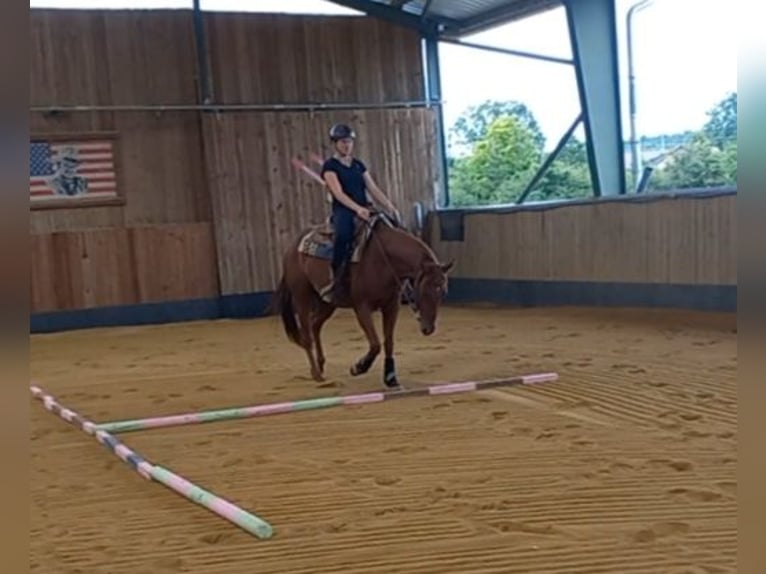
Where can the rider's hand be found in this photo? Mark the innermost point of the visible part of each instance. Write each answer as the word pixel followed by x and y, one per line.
pixel 363 213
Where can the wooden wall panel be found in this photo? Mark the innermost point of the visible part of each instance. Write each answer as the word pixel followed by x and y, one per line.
pixel 175 262
pixel 290 59
pixel 183 172
pixel 122 266
pixel 260 201
pixel 83 57
pixel 679 240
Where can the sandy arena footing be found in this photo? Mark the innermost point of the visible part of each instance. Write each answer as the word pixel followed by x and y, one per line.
pixel 626 464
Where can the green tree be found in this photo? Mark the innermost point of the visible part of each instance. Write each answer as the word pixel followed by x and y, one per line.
pixel 568 177
pixel 700 164
pixel 501 165
pixel 721 126
pixel 710 158
pixel 473 125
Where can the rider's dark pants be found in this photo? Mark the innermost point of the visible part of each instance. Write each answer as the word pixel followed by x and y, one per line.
pixel 343 223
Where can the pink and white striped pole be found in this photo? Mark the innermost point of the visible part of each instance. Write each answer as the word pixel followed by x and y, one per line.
pixel 223 508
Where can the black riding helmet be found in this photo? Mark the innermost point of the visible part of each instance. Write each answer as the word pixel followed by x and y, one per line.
pixel 341 131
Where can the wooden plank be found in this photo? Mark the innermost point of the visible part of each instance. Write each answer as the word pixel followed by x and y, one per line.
pixel 259 207
pixel 689 241
pixel 339 59
pixel 174 262
pixel 122 266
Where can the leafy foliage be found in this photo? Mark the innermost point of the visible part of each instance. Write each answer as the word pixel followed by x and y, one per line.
pixel 700 164
pixel 505 148
pixel 501 164
pixel 710 160
pixel 721 128
pixel 474 124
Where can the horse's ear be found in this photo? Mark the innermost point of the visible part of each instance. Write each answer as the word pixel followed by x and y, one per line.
pixel 447 267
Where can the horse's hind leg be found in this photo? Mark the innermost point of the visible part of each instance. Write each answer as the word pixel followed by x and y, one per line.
pixel 364 316
pixel 303 308
pixel 307 344
pixel 321 314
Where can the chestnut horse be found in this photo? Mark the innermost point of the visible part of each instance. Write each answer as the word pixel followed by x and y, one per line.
pixel 387 262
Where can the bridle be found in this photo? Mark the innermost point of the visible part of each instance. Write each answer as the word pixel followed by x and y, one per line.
pixel 406 286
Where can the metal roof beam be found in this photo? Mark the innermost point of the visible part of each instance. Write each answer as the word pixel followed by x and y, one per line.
pixel 499 50
pixel 396 16
pixel 498 16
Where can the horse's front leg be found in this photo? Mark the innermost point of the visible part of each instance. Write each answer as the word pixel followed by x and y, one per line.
pixel 390 314
pixel 364 316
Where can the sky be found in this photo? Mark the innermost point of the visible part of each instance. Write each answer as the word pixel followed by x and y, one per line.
pixel 685 60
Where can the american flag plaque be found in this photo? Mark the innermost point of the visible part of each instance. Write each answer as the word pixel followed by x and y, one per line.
pixel 73 170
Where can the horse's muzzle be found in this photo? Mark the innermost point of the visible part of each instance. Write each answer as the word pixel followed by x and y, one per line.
pixel 427 329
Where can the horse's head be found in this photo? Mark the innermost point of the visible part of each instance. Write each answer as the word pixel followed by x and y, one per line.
pixel 427 292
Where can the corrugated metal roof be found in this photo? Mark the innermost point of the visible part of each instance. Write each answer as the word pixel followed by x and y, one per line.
pixel 460 17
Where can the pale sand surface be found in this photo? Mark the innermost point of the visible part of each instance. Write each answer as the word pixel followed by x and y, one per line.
pixel 627 464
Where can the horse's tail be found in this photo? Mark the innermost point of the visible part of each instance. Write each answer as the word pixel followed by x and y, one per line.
pixel 283 303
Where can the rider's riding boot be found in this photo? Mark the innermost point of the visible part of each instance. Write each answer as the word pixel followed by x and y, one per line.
pixel 340 284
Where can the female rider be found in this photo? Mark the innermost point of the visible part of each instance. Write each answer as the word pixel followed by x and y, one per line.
pixel 348 180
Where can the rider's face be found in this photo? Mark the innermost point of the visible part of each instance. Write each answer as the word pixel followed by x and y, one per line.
pixel 345 146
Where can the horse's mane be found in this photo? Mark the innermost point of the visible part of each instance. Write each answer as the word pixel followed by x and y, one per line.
pixel 393 226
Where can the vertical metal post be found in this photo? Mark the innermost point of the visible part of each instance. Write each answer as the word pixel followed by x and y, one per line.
pixel 593 34
pixel 635 156
pixel 434 98
pixel 205 91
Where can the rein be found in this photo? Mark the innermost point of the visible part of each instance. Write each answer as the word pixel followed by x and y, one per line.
pixel 406 287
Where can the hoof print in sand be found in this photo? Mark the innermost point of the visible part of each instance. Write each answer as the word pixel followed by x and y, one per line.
pixel 681 465
pixel 206 388
pixel 618 466
pixel 390 510
pixel 691 416
pixel 440 406
pixel 404 449
pixel 170 564
pixel 440 493
pixel 695 495
pixel 335 527
pixel 387 480
pixel 506 526
pixel 661 530
pixel 581 442
pixel 216 538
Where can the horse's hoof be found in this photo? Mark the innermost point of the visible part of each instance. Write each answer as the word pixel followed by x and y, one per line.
pixel 318 377
pixel 391 381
